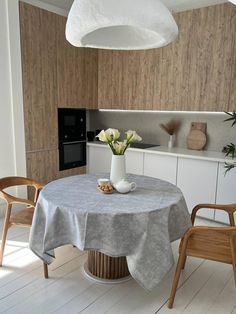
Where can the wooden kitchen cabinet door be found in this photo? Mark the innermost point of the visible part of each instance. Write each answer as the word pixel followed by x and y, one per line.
pixel 226 192
pixel 38 49
pixel 196 72
pixel 161 167
pixel 76 72
pixel 197 181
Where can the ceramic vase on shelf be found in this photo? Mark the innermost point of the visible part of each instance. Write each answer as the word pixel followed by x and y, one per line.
pixel 118 172
pixel 171 141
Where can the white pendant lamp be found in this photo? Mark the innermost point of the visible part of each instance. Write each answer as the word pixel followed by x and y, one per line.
pixel 120 24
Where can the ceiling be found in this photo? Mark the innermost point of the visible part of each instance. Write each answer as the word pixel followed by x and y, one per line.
pixel 173 5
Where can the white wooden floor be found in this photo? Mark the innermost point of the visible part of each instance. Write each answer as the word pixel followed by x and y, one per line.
pixel 205 287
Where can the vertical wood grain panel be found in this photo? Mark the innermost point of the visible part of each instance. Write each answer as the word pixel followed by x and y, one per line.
pixel 196 72
pixel 76 72
pixel 107 267
pixel 38 46
pixel 232 95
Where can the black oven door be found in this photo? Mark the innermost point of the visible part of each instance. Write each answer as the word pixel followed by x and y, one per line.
pixel 72 155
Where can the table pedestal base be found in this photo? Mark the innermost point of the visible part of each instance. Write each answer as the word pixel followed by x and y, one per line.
pixel 106 269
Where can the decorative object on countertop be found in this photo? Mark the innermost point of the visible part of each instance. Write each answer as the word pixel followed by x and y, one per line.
pixel 124 186
pixel 197 136
pixel 171 128
pixel 111 137
pixel 90 136
pixel 120 25
pixel 229 149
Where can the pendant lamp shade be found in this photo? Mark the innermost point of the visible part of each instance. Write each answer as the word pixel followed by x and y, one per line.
pixel 120 24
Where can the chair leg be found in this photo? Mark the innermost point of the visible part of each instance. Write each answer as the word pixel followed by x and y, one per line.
pixel 4 233
pixel 231 219
pixel 45 270
pixel 233 252
pixel 181 262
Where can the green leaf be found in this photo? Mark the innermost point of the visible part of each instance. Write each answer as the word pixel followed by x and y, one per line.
pixel 229 166
pixel 229 150
pixel 232 117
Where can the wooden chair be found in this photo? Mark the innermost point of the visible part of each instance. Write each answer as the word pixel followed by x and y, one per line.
pixel 212 243
pixel 23 217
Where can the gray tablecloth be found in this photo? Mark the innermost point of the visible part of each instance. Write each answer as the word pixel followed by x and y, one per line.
pixel 139 225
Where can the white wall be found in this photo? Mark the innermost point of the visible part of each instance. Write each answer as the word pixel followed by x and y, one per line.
pixel 12 141
pixel 7 158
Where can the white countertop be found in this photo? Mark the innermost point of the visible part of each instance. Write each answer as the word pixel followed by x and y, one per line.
pixel 179 152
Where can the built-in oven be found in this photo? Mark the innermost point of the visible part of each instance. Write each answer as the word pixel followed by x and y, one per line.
pixel 72 154
pixel 72 137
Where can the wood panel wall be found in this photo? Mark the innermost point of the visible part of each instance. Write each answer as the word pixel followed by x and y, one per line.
pixel 76 72
pixel 55 74
pixel 196 72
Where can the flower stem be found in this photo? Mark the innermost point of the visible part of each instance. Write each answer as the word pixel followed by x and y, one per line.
pixel 112 148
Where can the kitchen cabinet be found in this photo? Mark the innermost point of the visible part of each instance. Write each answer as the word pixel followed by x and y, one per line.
pixel 54 74
pixel 134 162
pixel 197 180
pixel 160 166
pixel 226 192
pixel 99 159
pixel 194 73
pixel 76 72
pixel 201 179
pixel 39 70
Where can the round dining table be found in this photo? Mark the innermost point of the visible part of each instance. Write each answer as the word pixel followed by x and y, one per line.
pixel 124 234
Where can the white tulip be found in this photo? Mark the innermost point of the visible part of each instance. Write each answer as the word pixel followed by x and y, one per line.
pixel 111 137
pixel 133 136
pixel 102 136
pixel 112 134
pixel 119 147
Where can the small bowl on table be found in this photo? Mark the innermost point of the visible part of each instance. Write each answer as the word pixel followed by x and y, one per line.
pixel 104 186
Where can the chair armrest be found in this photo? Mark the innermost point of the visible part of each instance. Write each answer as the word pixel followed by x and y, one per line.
pixel 15 200
pixel 229 208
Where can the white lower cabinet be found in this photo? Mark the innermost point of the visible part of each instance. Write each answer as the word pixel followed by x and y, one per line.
pixel 99 159
pixel 134 162
pixel 201 181
pixel 226 191
pixel 197 180
pixel 161 167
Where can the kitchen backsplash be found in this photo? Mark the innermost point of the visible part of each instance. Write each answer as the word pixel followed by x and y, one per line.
pixel 147 124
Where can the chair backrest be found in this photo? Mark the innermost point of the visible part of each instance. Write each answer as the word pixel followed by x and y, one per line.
pixel 8 182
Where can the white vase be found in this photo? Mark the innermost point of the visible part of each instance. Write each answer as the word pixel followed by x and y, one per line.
pixel 118 172
pixel 171 141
